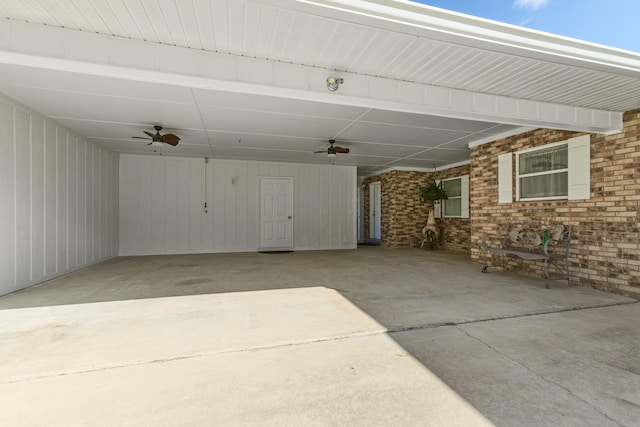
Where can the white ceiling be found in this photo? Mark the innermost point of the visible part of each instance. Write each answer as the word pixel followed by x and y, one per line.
pixel 246 79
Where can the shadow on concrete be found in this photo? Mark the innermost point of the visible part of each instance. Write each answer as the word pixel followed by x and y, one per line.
pixel 436 304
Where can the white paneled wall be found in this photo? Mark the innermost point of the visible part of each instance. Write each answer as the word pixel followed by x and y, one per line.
pixel 58 199
pixel 162 205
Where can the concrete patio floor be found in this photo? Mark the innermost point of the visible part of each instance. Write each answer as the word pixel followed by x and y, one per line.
pixel 373 336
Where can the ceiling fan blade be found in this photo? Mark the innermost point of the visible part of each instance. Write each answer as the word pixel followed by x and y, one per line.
pixel 340 150
pixel 319 151
pixel 139 137
pixel 170 139
pixel 149 133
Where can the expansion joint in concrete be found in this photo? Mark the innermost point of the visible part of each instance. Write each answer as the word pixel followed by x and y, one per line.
pixel 506 317
pixel 192 356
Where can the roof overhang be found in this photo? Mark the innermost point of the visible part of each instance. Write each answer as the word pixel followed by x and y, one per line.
pixel 397 58
pixel 75 52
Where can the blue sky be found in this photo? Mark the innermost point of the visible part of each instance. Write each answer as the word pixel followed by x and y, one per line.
pixel 613 23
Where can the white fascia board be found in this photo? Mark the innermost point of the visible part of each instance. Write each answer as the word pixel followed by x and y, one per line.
pixel 453 165
pixel 76 52
pixel 398 168
pixel 439 24
pixel 412 169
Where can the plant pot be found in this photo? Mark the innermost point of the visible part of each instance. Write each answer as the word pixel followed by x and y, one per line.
pixel 431 220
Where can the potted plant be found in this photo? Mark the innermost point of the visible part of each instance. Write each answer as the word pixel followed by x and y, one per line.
pixel 429 194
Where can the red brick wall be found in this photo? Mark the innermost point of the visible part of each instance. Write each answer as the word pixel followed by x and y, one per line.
pixel 605 249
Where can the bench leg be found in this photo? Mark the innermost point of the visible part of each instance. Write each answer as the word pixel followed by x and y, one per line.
pixel 546 271
pixel 485 269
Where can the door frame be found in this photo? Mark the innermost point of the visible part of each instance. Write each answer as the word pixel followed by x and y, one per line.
pixel 373 218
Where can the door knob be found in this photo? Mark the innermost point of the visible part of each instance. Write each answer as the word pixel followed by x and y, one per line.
pixel 289 217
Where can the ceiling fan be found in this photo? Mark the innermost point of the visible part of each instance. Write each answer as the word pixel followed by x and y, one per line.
pixel 333 150
pixel 158 140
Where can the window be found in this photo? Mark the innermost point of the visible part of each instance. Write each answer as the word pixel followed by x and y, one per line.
pixel 554 171
pixel 543 173
pixel 453 205
pixel 457 203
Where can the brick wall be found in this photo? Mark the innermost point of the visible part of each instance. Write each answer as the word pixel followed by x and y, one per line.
pixel 403 216
pixel 455 233
pixel 605 250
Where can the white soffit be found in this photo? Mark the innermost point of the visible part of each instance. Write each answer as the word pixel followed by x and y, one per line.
pixel 398 40
pixel 403 65
pixel 82 52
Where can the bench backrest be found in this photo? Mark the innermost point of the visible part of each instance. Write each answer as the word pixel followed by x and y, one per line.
pixel 533 239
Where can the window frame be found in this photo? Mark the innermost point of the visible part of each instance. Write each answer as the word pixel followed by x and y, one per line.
pixel 553 172
pixel 444 210
pixel 579 179
pixel 464 194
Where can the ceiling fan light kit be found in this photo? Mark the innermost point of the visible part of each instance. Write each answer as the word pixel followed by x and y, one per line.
pixel 333 150
pixel 157 146
pixel 333 83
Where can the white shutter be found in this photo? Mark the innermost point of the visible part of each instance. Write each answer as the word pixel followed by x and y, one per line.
pixel 464 196
pixel 437 208
pixel 505 178
pixel 437 205
pixel 579 167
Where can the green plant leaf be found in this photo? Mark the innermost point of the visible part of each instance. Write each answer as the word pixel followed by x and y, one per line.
pixel 432 191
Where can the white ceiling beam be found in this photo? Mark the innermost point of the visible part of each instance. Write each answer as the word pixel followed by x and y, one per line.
pixel 95 54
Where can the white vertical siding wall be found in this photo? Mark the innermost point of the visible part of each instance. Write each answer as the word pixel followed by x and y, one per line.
pixel 162 205
pixel 58 199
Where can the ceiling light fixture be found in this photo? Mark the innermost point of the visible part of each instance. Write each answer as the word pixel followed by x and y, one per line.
pixel 333 83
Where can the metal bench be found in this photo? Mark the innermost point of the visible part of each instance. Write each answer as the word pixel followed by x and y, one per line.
pixel 550 244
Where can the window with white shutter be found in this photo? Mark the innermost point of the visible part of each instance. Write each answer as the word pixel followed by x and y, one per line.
pixel 554 171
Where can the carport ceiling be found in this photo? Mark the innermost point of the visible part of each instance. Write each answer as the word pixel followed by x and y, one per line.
pixel 246 79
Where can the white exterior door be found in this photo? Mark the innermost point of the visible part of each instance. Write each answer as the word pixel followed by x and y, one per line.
pixel 374 211
pixel 276 213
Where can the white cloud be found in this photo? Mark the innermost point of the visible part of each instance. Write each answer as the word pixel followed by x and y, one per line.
pixel 530 4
